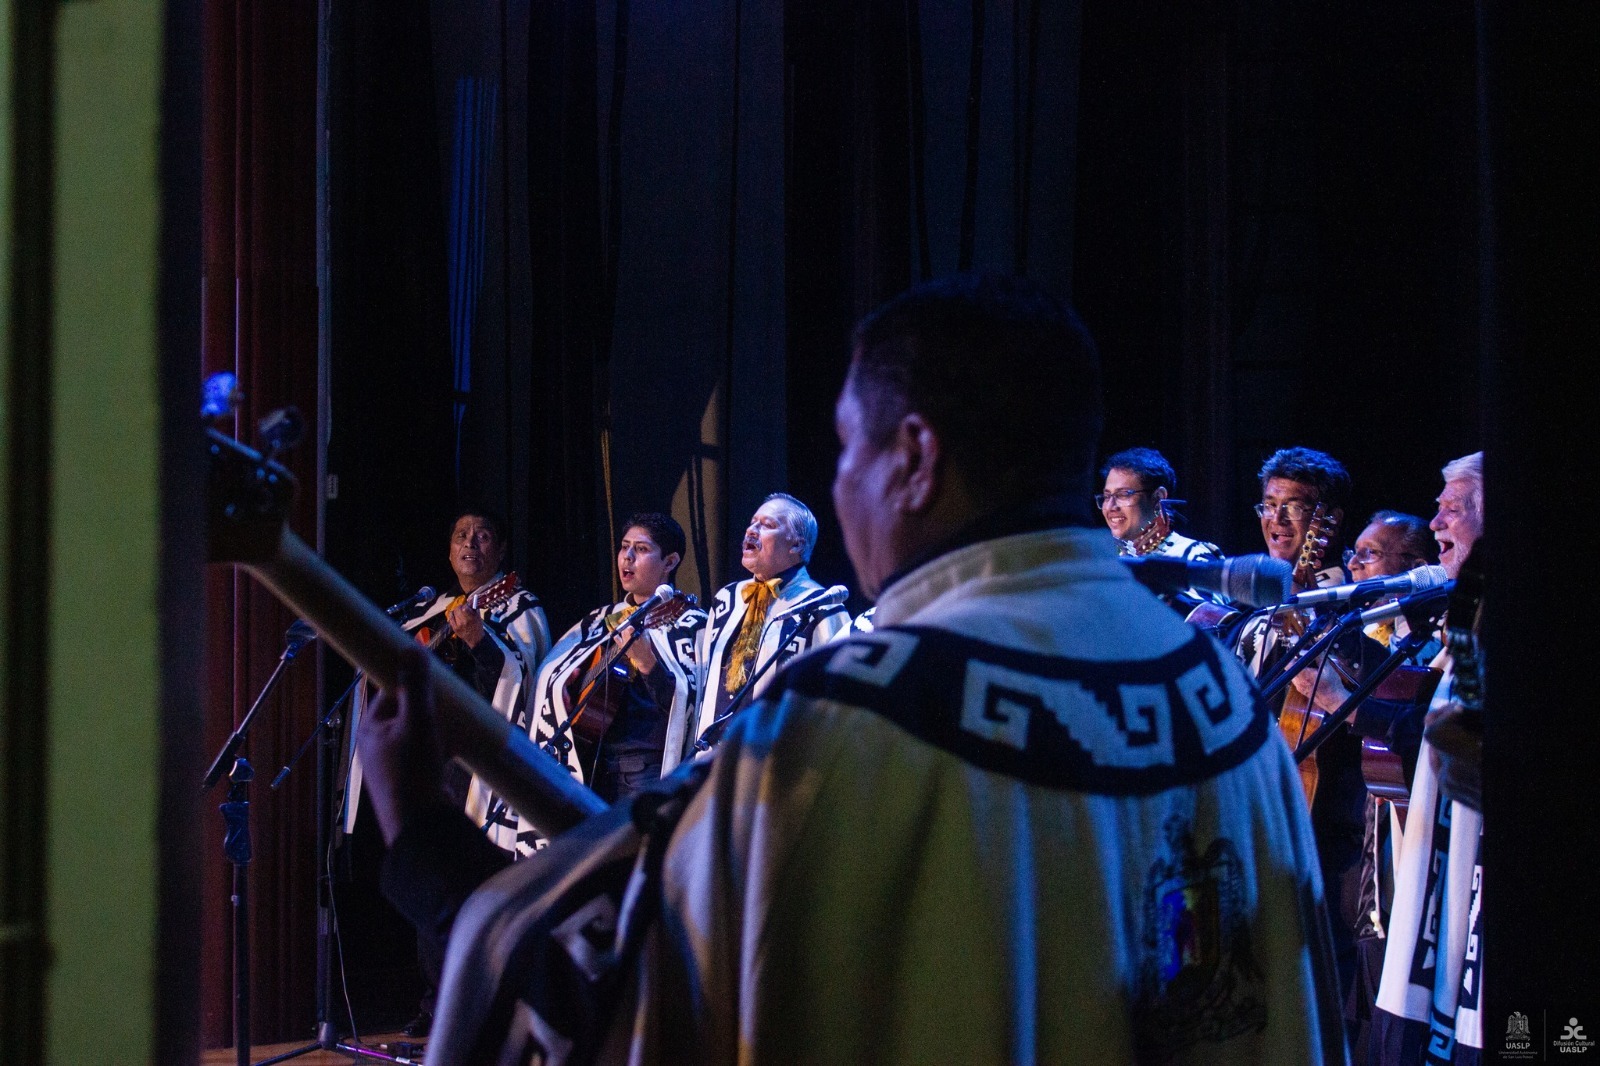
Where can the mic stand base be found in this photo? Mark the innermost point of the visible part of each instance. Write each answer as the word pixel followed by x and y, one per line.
pixel 328 1041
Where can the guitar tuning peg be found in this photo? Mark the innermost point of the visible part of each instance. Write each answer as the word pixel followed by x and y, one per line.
pixel 281 429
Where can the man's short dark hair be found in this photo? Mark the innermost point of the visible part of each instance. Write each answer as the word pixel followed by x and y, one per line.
pixel 1310 467
pixel 663 529
pixel 491 518
pixel 1004 372
pixel 1416 539
pixel 1146 464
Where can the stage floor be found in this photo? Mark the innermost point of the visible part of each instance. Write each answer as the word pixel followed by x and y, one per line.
pixel 224 1056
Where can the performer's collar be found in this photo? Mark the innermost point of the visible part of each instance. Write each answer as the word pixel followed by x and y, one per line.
pixel 1048 512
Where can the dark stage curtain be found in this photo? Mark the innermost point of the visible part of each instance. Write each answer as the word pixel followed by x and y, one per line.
pixel 683 212
pixel 1277 212
pixel 259 319
pixel 586 259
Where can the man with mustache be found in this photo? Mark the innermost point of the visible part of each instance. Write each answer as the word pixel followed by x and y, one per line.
pixel 1303 496
pixel 1031 817
pixel 762 619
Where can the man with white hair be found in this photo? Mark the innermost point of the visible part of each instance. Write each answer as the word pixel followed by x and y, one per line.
pixel 767 618
pixel 1031 817
pixel 1430 997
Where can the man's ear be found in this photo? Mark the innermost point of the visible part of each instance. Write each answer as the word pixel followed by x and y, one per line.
pixel 671 563
pixel 1160 493
pixel 921 461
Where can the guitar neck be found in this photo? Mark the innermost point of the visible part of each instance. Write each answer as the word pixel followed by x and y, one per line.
pixel 506 758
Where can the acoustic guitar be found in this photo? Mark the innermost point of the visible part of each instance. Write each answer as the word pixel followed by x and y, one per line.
pixel 248 500
pixel 484 598
pixel 1299 718
pixel 1382 769
pixel 596 692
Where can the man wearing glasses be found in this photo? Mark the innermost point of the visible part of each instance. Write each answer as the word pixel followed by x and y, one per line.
pixel 1136 504
pixel 1391 544
pixel 1303 495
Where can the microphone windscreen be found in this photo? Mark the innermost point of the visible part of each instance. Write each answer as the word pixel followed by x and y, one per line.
pixel 663 592
pixel 1256 580
pixel 1427 577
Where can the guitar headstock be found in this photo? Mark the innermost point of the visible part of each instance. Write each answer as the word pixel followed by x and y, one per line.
pixel 669 611
pixel 496 592
pixel 1318 535
pixel 248 497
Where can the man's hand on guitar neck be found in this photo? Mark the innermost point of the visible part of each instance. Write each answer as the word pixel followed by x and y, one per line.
pixel 466 623
pixel 399 744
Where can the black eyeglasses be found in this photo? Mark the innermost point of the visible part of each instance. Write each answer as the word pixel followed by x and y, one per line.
pixel 1294 510
pixel 1122 496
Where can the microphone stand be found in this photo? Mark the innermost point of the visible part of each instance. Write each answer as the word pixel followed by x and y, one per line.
pixel 803 621
pixel 293 645
pixel 236 840
pixel 325 731
pixel 1301 657
pixel 236 846
pixel 1408 647
pixel 556 743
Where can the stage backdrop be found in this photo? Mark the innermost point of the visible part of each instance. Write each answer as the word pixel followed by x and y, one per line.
pixel 590 258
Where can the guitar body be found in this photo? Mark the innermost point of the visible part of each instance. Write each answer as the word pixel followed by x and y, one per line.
pixel 1297 720
pixel 1382 768
pixel 596 692
pixel 1217 619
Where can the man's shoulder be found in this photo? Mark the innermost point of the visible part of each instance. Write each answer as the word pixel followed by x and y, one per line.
pixel 1107 725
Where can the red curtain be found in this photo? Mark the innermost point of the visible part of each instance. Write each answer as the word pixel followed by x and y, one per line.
pixel 260 321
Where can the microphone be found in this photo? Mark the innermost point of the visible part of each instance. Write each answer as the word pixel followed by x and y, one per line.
pixel 662 594
pixel 1407 605
pixel 1360 592
pixel 832 597
pixel 1252 580
pixel 403 609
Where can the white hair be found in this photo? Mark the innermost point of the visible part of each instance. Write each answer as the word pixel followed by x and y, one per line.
pixel 1468 468
pixel 802 523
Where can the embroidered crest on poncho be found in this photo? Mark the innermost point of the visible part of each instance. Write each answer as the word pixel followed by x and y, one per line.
pixel 1199 979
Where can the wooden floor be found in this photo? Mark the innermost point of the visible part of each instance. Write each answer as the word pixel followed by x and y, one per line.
pixel 225 1056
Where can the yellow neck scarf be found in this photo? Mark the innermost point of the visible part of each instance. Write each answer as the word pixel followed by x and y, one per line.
pixel 758 597
pixel 619 616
